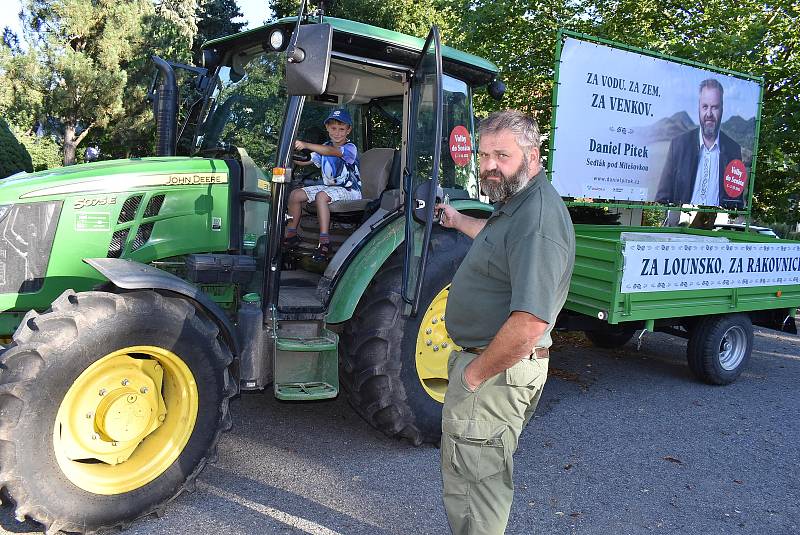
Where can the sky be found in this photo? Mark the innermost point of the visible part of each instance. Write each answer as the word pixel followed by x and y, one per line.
pixel 255 13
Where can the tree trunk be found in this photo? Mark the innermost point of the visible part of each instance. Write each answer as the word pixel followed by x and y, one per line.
pixel 70 144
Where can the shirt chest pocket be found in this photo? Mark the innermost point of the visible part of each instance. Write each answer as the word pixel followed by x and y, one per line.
pixel 494 263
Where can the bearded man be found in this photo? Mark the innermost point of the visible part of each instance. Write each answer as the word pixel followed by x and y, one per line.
pixel 502 305
pixel 695 165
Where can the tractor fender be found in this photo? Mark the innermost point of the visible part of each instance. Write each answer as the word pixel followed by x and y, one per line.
pixel 360 271
pixel 131 275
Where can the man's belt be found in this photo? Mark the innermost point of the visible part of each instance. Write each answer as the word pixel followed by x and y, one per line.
pixel 538 353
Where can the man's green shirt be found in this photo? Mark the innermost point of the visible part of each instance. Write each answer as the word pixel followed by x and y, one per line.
pixel 522 260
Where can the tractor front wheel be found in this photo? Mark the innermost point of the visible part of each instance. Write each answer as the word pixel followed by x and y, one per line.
pixel 110 406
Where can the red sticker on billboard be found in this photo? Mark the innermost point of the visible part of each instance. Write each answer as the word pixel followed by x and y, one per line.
pixel 460 146
pixel 735 179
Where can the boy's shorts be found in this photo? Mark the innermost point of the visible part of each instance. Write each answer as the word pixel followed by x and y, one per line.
pixel 336 193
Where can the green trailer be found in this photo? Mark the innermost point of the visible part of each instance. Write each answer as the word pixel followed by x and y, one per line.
pixel 718 322
pixel 623 141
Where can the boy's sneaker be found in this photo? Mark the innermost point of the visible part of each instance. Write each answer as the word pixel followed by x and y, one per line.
pixel 322 254
pixel 290 244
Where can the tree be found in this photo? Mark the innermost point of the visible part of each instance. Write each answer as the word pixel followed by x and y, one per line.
pixel 13 156
pixel 167 30
pixel 215 19
pixel 87 68
pixel 81 46
pixel 406 16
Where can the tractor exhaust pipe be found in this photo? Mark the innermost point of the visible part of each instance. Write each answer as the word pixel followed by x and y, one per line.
pixel 165 109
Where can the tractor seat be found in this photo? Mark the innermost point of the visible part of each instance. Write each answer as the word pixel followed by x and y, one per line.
pixel 375 166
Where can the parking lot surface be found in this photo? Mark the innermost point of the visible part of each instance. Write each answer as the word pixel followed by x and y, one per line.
pixel 624 442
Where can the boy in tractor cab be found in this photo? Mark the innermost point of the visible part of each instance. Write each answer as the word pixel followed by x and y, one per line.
pixel 338 163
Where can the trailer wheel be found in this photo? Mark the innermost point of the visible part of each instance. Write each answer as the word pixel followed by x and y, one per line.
pixel 392 376
pixel 110 406
pixel 720 347
pixel 612 337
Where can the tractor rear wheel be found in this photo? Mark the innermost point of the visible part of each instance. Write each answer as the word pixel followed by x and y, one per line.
pixel 110 406
pixel 394 367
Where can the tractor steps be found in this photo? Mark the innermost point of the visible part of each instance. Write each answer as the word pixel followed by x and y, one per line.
pixel 306 363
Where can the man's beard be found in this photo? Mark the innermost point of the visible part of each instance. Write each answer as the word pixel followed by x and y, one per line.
pixel 508 185
pixel 710 130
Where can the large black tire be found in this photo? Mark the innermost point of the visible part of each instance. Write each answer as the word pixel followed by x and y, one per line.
pixel 378 364
pixel 719 347
pixel 612 337
pixel 50 351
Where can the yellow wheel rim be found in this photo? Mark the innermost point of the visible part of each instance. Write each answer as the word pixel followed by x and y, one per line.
pixel 125 420
pixel 433 347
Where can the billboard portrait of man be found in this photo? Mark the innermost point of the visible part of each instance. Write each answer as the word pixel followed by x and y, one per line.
pixel 696 160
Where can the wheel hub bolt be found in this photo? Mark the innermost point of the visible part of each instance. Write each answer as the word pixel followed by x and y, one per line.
pixel 444 345
pixel 144 390
pixel 94 436
pixel 428 331
pixel 428 342
pixel 89 415
pixel 113 443
pixel 102 392
pixel 435 321
pixel 442 317
pixel 125 382
pixel 436 348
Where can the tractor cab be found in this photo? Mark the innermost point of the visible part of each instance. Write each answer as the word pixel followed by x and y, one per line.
pixel 411 105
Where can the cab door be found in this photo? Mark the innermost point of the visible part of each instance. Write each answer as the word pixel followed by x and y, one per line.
pixel 421 178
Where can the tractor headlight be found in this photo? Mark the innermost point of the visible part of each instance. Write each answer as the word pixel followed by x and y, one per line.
pixel 27 232
pixel 276 39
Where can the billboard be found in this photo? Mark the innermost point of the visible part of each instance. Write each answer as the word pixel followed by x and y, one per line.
pixel 636 127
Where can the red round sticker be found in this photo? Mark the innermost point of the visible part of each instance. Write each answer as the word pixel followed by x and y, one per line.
pixel 460 146
pixel 735 180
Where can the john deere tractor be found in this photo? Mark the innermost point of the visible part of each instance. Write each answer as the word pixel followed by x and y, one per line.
pixel 138 296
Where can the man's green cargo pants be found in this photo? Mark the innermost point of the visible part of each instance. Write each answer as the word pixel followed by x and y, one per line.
pixel 480 432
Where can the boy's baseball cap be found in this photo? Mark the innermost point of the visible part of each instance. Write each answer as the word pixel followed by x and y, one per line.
pixel 340 115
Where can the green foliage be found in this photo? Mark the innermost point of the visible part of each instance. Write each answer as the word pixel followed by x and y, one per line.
pixel 652 218
pixel 44 150
pixel 216 20
pixel 21 87
pixel 13 156
pixel 77 53
pixel 405 16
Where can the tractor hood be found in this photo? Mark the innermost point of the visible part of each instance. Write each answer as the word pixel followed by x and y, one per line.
pixel 112 176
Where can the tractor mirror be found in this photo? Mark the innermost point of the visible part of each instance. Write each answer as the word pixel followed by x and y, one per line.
pixel 497 89
pixel 308 59
pixel 423 209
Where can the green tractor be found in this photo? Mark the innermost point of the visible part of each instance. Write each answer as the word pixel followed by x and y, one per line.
pixel 139 296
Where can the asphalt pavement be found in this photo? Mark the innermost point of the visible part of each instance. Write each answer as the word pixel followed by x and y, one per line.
pixel 624 442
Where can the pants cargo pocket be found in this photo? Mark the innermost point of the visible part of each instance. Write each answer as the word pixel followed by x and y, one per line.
pixel 474 449
pixel 525 372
